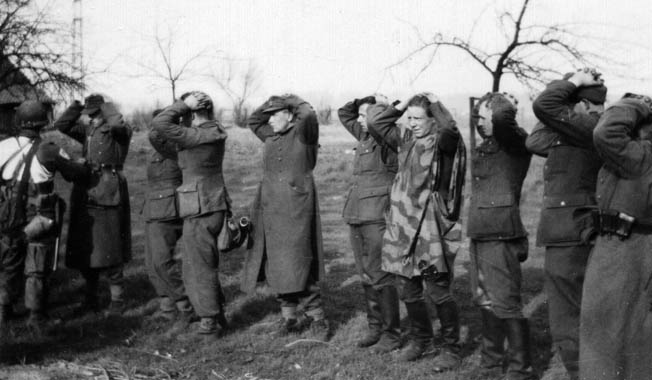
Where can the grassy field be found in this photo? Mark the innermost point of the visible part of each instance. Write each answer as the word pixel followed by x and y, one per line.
pixel 132 347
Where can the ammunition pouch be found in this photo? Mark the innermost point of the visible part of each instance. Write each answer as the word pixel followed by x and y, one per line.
pixel 615 223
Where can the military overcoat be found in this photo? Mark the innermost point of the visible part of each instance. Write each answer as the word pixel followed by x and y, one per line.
pixel 287 242
pixel 616 318
pixel 99 233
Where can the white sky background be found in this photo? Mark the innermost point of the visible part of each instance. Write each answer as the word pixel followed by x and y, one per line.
pixel 330 51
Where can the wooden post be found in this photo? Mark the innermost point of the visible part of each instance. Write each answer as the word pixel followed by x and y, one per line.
pixel 472 127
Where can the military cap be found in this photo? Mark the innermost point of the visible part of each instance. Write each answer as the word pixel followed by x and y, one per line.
pixel 276 103
pixel 92 104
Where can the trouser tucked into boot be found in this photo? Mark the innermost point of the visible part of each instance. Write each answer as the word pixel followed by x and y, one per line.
pixel 493 340
pixel 390 338
pixel 448 357
pixel 520 360
pixel 374 317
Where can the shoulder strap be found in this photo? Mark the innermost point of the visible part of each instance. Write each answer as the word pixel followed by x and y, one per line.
pixel 27 162
pixel 14 154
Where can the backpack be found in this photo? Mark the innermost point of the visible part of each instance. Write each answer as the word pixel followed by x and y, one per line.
pixel 13 197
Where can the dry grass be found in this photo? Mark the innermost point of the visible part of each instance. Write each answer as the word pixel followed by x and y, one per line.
pixel 249 351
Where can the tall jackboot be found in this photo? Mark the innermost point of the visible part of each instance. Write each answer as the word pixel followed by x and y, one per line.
pixel 493 339
pixel 390 338
pixel 372 298
pixel 420 332
pixel 448 357
pixel 520 361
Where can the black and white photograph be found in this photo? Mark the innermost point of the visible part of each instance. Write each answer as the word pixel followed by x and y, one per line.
pixel 325 190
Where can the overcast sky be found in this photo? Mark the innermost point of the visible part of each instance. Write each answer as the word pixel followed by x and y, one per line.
pixel 329 50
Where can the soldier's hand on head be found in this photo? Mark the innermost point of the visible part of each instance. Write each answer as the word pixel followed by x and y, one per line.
pixel 380 98
pixel 191 101
pixel 586 77
pixel 432 98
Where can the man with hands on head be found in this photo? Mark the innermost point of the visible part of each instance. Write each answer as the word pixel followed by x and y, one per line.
pixel 374 168
pixel 287 245
pixel 569 110
pixel 163 229
pixel 422 237
pixel 203 201
pixel 99 236
pixel 616 319
pixel 498 239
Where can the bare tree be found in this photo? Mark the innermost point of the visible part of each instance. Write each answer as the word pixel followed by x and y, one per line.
pixel 528 53
pixel 34 47
pixel 239 84
pixel 168 67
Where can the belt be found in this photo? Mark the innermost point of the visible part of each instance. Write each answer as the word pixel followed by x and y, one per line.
pixel 613 222
pixel 106 166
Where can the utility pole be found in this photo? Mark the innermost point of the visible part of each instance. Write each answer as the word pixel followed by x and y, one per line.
pixel 77 46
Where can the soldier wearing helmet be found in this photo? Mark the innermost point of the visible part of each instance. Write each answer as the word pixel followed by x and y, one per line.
pixel 99 239
pixel 203 201
pixel 31 211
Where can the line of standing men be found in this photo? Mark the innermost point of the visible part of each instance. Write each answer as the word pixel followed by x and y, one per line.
pixel 402 210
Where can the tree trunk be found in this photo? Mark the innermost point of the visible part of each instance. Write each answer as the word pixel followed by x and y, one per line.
pixel 496 82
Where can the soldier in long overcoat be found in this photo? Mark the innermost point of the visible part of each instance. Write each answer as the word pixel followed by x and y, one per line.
pixel 498 239
pixel 287 243
pixel 616 318
pixel 422 236
pixel 374 168
pixel 99 235
pixel 568 109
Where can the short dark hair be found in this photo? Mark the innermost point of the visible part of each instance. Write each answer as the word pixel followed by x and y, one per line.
pixel 494 100
pixel 423 102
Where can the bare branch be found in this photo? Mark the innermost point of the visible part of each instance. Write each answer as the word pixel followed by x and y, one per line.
pixel 523 56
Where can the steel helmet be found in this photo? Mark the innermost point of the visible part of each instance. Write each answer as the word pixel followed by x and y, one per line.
pixel 32 114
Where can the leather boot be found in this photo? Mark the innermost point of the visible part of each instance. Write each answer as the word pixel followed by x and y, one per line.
pixel 390 339
pixel 493 339
pixel 448 357
pixel 372 298
pixel 520 361
pixel 420 332
pixel 5 311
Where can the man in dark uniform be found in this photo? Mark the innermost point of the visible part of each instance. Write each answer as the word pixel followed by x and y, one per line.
pixel 569 110
pixel 163 228
pixel 498 239
pixel 367 202
pixel 99 237
pixel 32 223
pixel 616 321
pixel 203 201
pixel 287 246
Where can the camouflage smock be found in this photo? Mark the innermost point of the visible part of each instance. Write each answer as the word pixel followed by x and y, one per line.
pixel 418 232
